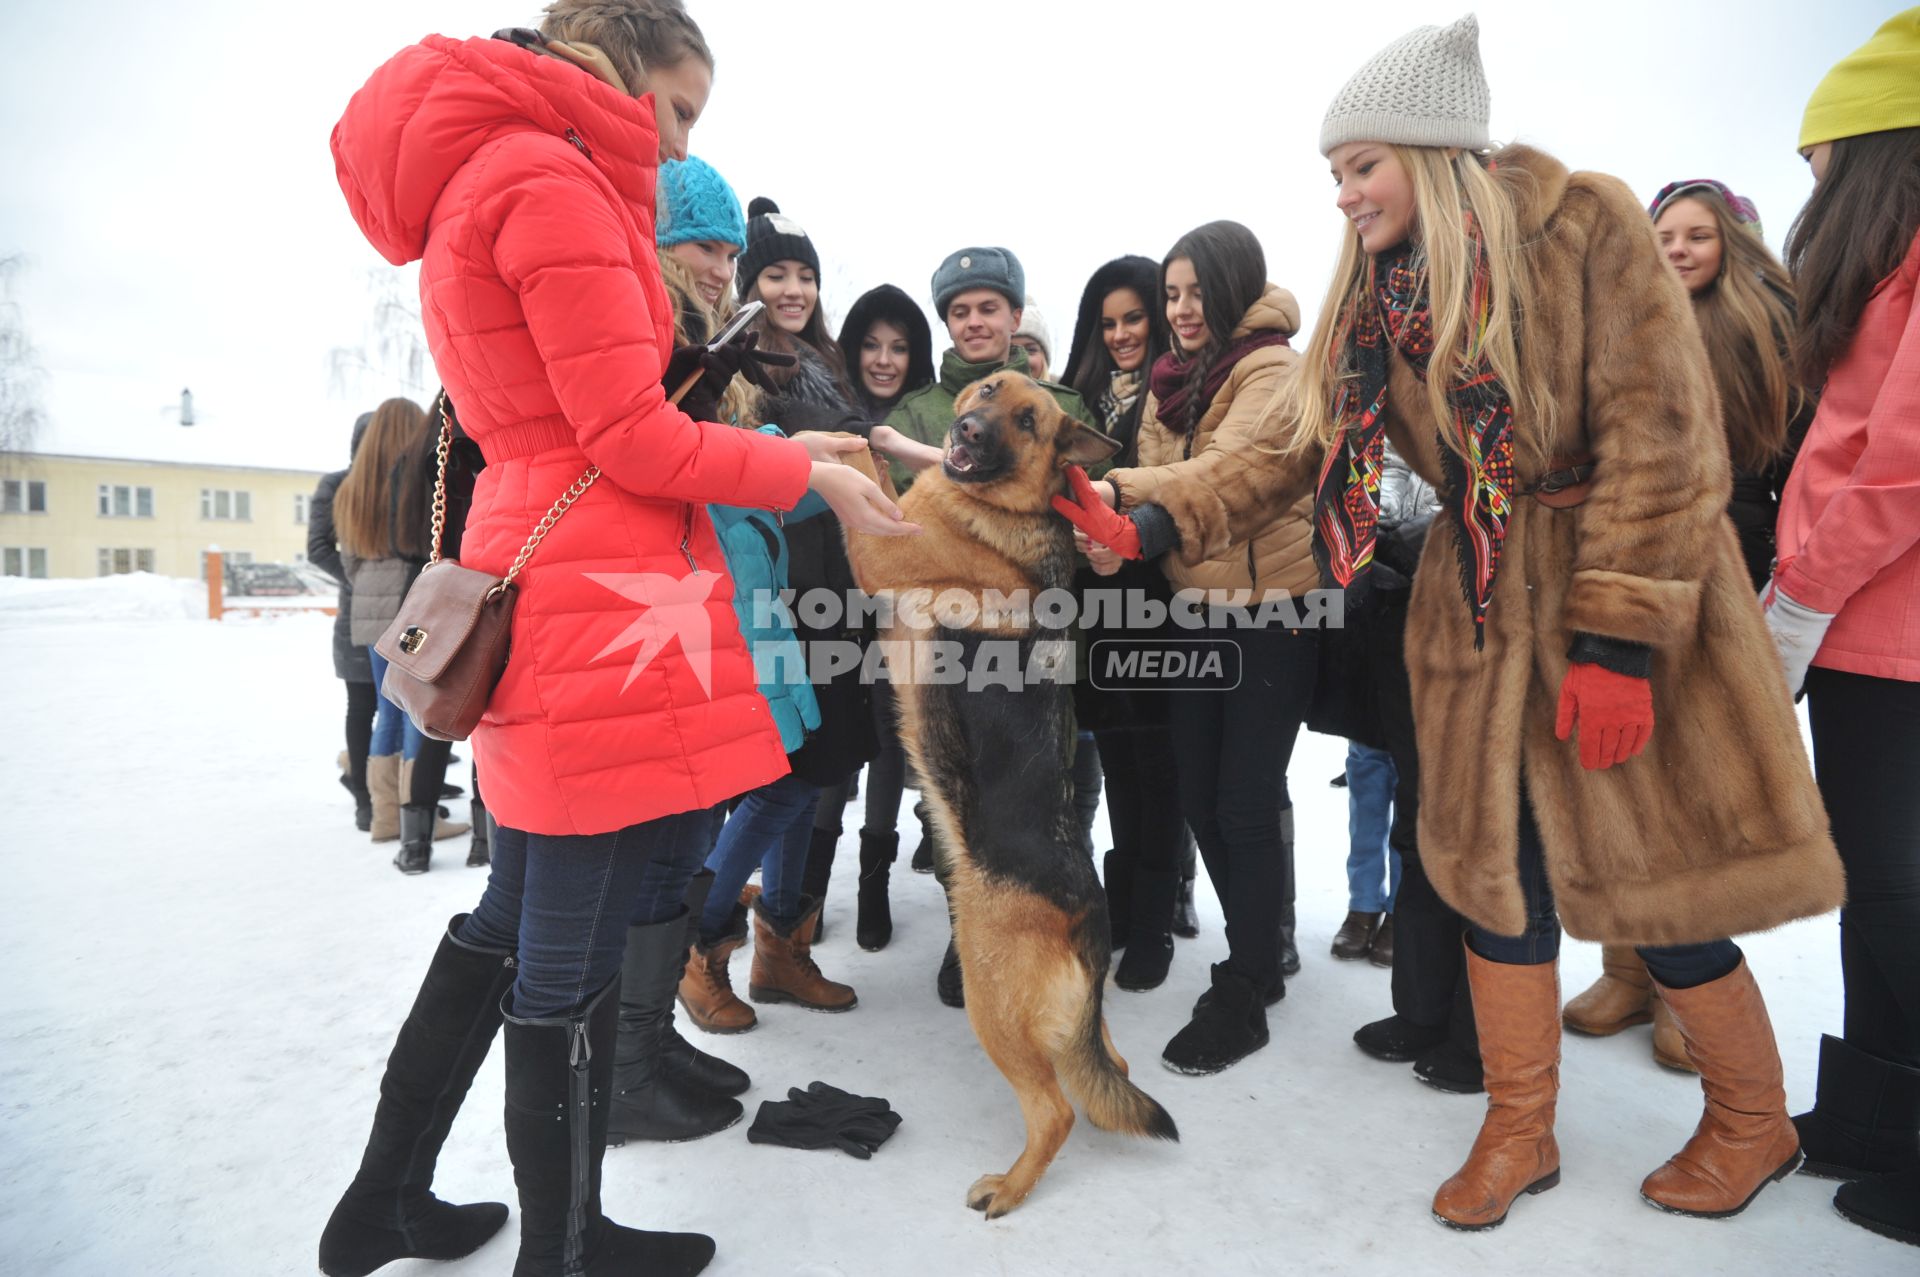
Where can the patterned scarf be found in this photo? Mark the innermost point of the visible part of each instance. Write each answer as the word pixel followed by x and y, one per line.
pixel 1479 485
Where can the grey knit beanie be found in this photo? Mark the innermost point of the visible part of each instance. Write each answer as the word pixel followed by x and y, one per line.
pixel 1425 89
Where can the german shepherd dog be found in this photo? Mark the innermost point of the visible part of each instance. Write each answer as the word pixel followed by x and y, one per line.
pixel 1029 917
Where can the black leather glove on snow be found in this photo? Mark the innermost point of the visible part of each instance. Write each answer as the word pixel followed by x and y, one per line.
pixel 825 1116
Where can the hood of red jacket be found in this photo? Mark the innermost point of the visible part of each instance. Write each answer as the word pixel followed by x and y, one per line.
pixel 433 105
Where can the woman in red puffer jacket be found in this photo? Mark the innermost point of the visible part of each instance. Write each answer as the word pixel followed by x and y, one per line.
pixel 520 172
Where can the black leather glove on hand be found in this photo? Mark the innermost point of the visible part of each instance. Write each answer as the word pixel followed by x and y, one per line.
pixel 717 368
pixel 825 1116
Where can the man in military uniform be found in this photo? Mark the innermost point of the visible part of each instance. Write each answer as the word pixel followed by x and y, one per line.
pixel 980 294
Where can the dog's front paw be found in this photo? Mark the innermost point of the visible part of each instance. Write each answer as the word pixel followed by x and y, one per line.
pixel 980 1196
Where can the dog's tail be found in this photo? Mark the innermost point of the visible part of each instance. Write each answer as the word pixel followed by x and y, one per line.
pixel 1112 1101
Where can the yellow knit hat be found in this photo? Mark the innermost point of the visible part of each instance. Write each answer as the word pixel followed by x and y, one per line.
pixel 1871 90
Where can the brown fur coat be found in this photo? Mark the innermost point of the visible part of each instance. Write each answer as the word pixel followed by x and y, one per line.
pixel 1717 828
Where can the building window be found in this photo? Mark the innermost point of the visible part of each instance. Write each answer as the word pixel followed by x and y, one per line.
pixel 226 504
pixel 23 496
pixel 300 507
pixel 28 561
pixel 118 561
pixel 125 501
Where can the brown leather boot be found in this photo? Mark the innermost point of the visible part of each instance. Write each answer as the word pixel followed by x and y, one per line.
pixel 1745 1139
pixel 1669 1047
pixel 1621 998
pixel 1517 1011
pixel 783 967
pixel 706 990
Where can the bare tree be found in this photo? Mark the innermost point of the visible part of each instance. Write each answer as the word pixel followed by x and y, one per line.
pixel 21 376
pixel 392 352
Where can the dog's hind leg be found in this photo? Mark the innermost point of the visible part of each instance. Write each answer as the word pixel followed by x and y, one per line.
pixel 1011 1043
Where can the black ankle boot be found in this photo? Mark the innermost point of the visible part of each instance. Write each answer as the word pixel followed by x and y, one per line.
pixel 1452 1067
pixel 416 838
pixel 874 927
pixel 1865 1118
pixel 389 1211
pixel 1116 877
pixel 922 862
pixel 950 984
pixel 651 1102
pixel 1885 1204
pixel 1149 953
pixel 1397 1040
pixel 1230 1026
pixel 680 1059
pixel 559 1080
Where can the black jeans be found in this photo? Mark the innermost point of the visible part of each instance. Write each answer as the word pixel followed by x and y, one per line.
pixel 563 903
pixel 887 773
pixel 1866 753
pixel 1429 966
pixel 1232 750
pixel 1143 798
pixel 362 704
pixel 1683 966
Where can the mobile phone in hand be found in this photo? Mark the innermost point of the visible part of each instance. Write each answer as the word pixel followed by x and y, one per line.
pixel 738 324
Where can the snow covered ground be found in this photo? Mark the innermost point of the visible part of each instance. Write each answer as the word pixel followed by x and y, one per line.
pixel 209 965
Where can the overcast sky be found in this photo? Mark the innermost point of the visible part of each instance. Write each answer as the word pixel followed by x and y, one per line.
pixel 164 167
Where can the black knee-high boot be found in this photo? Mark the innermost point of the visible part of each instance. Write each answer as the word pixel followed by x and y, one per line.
pixel 559 1080
pixel 389 1212
pixel 679 1058
pixel 654 1099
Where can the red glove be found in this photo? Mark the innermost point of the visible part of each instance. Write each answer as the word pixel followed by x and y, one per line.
pixel 1090 514
pixel 1614 713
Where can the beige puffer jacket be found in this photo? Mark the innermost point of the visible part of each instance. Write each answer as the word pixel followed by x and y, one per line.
pixel 1280 555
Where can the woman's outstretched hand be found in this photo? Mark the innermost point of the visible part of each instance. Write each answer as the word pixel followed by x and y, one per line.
pixel 858 501
pixel 1088 511
pixel 829 447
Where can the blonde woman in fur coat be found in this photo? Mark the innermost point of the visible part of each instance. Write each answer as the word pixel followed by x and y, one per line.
pixel 1604 738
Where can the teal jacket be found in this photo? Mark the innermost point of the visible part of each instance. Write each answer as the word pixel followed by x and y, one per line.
pixel 756 551
pixel 927 413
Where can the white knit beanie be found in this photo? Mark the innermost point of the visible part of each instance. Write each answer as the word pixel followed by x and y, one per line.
pixel 1033 324
pixel 1425 89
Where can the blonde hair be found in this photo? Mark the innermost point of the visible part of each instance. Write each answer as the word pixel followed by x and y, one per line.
pixel 363 504
pixel 741 404
pixel 636 35
pixel 1745 317
pixel 1448 186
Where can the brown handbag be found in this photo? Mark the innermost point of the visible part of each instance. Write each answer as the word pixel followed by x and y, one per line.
pixel 447 647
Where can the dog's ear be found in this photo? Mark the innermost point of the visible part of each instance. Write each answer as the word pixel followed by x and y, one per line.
pixel 1081 444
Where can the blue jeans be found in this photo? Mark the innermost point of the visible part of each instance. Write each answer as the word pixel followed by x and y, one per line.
pixel 563 903
pixel 393 731
pixel 1370 784
pixel 1683 966
pixel 770 828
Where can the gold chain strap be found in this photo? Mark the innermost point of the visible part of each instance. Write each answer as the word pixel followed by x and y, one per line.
pixel 560 507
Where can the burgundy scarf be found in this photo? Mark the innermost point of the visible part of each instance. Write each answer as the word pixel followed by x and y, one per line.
pixel 1169 381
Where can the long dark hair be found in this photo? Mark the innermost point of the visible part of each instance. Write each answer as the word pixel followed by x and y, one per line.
pixel 814 333
pixel 1232 270
pixel 1090 365
pixel 1855 231
pixel 887 304
pixel 363 514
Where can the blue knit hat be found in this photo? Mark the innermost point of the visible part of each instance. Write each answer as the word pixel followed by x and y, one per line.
pixel 695 203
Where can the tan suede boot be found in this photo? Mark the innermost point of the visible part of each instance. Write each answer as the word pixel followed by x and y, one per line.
pixel 1669 1046
pixel 706 990
pixel 1621 998
pixel 1745 1139
pixel 383 785
pixel 1517 1011
pixel 783 966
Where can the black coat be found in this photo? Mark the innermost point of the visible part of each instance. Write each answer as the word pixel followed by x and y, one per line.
pixel 350 662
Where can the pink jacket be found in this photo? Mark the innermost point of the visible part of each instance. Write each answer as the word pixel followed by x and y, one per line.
pixel 1849 530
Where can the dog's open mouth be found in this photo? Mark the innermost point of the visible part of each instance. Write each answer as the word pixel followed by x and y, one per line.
pixel 960 459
